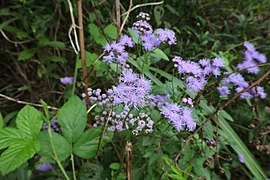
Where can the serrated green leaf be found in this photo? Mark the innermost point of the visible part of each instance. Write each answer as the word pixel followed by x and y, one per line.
pixel 17 154
pixel 111 31
pixel 93 29
pixel 26 54
pixel 96 34
pixel 29 121
pixel 9 136
pixel 87 146
pixel 62 147
pixel 72 119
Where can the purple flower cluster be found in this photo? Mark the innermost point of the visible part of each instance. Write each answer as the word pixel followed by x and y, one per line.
pixel 188 101
pixel 197 73
pixel 132 90
pixel 116 50
pixel 151 39
pixel 66 80
pixel 45 167
pixel 96 97
pixel 125 120
pixel 238 81
pixel 158 100
pixel 179 117
pixel 251 58
pixel 54 126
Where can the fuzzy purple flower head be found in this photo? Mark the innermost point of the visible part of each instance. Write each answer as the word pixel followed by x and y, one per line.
pixel 132 91
pixel 252 57
pixel 179 117
pixel 241 158
pixel 45 167
pixel 66 80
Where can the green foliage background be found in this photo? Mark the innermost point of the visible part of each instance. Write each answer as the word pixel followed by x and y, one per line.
pixel 35 52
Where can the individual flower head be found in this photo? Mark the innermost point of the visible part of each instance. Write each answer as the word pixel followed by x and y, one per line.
pixel 218 62
pixel 188 101
pixel 54 126
pixel 204 62
pixel 250 66
pixel 142 27
pixel 116 52
pixel 187 118
pixel 179 117
pixel 132 90
pixel 258 92
pixel 223 90
pixel 149 42
pixel 195 84
pixel 158 100
pixel 241 158
pixel 236 79
pixel 251 58
pixel 45 167
pixel 250 47
pixel 66 80
pixel 187 67
pixel 166 36
pixel 126 41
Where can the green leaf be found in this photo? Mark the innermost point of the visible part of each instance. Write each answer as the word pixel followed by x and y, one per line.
pixel 115 166
pixel 72 119
pixel 56 44
pixel 240 148
pixel 134 36
pixel 29 121
pixel 96 34
pixel 56 59
pixel 1 121
pixel 26 54
pixel 155 115
pixel 62 147
pixel 87 146
pixel 90 59
pixel 9 136
pixel 17 154
pixel 159 54
pixel 175 176
pixel 46 110
pixel 226 115
pixel 111 31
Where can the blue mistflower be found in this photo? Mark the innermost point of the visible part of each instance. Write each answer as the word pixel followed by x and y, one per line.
pixel 179 117
pixel 132 91
pixel 67 80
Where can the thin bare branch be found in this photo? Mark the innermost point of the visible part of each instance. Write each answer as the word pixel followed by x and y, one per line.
pixel 73 29
pixel 24 102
